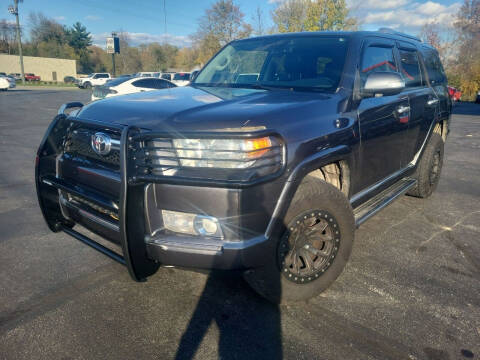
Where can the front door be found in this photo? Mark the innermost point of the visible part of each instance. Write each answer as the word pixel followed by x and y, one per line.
pixel 383 119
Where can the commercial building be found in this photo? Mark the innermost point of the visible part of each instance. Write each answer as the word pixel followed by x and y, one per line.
pixel 49 69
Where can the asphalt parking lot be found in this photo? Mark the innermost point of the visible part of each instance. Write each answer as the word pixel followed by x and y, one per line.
pixel 410 291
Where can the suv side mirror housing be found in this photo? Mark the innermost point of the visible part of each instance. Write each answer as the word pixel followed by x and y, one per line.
pixel 385 83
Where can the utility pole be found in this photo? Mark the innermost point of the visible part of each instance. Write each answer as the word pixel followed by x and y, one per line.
pixel 113 63
pixel 14 10
pixel 113 46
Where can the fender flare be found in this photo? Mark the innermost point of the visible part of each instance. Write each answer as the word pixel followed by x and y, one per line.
pixel 306 166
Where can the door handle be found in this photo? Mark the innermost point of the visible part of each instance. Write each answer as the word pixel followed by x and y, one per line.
pixel 432 102
pixel 402 109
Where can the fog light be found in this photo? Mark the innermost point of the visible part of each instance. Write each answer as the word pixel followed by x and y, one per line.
pixel 193 224
pixel 206 225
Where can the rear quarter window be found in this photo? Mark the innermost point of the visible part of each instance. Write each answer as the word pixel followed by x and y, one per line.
pixel 434 67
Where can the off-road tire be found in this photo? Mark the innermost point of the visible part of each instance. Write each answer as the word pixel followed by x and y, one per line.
pixel 313 196
pixel 87 85
pixel 429 168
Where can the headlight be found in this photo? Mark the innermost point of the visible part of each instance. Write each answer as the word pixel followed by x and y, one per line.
pixel 221 153
pixel 239 159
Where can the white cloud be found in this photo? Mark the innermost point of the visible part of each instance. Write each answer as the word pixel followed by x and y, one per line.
pixel 379 4
pixel 60 18
pixel 408 17
pixel 431 8
pixel 145 38
pixel 93 17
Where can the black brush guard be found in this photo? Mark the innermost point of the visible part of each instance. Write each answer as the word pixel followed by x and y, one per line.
pixel 130 202
pixel 134 253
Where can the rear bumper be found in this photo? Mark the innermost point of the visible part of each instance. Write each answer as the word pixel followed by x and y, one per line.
pixel 144 248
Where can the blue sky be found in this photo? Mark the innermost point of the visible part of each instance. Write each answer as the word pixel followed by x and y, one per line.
pixel 144 19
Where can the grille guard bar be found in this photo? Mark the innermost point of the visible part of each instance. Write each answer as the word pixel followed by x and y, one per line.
pixel 131 234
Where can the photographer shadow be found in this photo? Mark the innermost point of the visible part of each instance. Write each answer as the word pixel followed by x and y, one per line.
pixel 249 327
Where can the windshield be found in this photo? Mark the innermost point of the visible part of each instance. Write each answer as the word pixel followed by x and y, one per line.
pixel 303 62
pixel 181 76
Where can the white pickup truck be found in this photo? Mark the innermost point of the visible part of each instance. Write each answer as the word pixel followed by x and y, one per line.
pixel 94 79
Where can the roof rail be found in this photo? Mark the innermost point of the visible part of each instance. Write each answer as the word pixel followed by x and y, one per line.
pixel 393 32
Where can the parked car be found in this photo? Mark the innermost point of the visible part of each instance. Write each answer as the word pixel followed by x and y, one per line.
pixel 270 175
pixel 5 83
pixel 167 75
pixel 454 93
pixel 10 80
pixel 32 77
pixel 181 78
pixel 122 86
pixel 3 74
pixel 69 80
pixel 477 99
pixel 94 79
pixel 148 74
pixel 16 76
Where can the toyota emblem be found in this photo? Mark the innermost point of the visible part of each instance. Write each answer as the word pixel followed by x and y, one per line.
pixel 101 143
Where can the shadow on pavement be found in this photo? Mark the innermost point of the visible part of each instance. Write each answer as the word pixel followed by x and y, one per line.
pixel 248 326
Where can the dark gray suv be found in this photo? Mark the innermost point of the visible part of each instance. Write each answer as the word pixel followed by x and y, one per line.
pixel 267 162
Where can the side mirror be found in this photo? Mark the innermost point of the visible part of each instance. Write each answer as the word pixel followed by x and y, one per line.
pixel 385 83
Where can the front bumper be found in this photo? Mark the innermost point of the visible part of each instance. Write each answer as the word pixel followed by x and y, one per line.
pixel 123 197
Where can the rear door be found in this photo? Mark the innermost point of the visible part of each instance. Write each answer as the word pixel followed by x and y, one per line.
pixel 422 98
pixel 437 80
pixel 383 123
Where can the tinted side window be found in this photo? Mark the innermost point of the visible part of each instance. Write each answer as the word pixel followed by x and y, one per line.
pixel 410 68
pixel 434 67
pixel 162 84
pixel 166 76
pixel 377 59
pixel 144 83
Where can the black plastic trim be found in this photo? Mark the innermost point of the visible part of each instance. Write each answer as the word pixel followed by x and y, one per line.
pixel 104 250
pixel 80 192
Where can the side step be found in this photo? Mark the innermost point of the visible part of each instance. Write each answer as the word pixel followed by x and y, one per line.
pixel 366 210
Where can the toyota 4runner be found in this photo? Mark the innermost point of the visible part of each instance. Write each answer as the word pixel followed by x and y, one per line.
pixel 266 162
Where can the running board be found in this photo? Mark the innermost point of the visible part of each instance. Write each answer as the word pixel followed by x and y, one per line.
pixel 366 210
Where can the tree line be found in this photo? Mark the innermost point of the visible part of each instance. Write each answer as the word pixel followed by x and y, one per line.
pixel 224 21
pixel 221 23
pixel 459 48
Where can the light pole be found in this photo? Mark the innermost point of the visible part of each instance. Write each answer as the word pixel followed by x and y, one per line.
pixel 13 9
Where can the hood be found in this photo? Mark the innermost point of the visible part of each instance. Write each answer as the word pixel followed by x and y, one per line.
pixel 206 108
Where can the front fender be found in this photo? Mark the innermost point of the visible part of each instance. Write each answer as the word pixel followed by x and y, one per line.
pixel 306 166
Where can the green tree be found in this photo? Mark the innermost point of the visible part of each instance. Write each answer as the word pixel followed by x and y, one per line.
pixel 467 66
pixel 313 15
pixel 80 39
pixel 290 16
pixel 222 23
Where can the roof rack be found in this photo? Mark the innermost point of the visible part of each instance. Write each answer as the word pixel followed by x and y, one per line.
pixel 393 32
